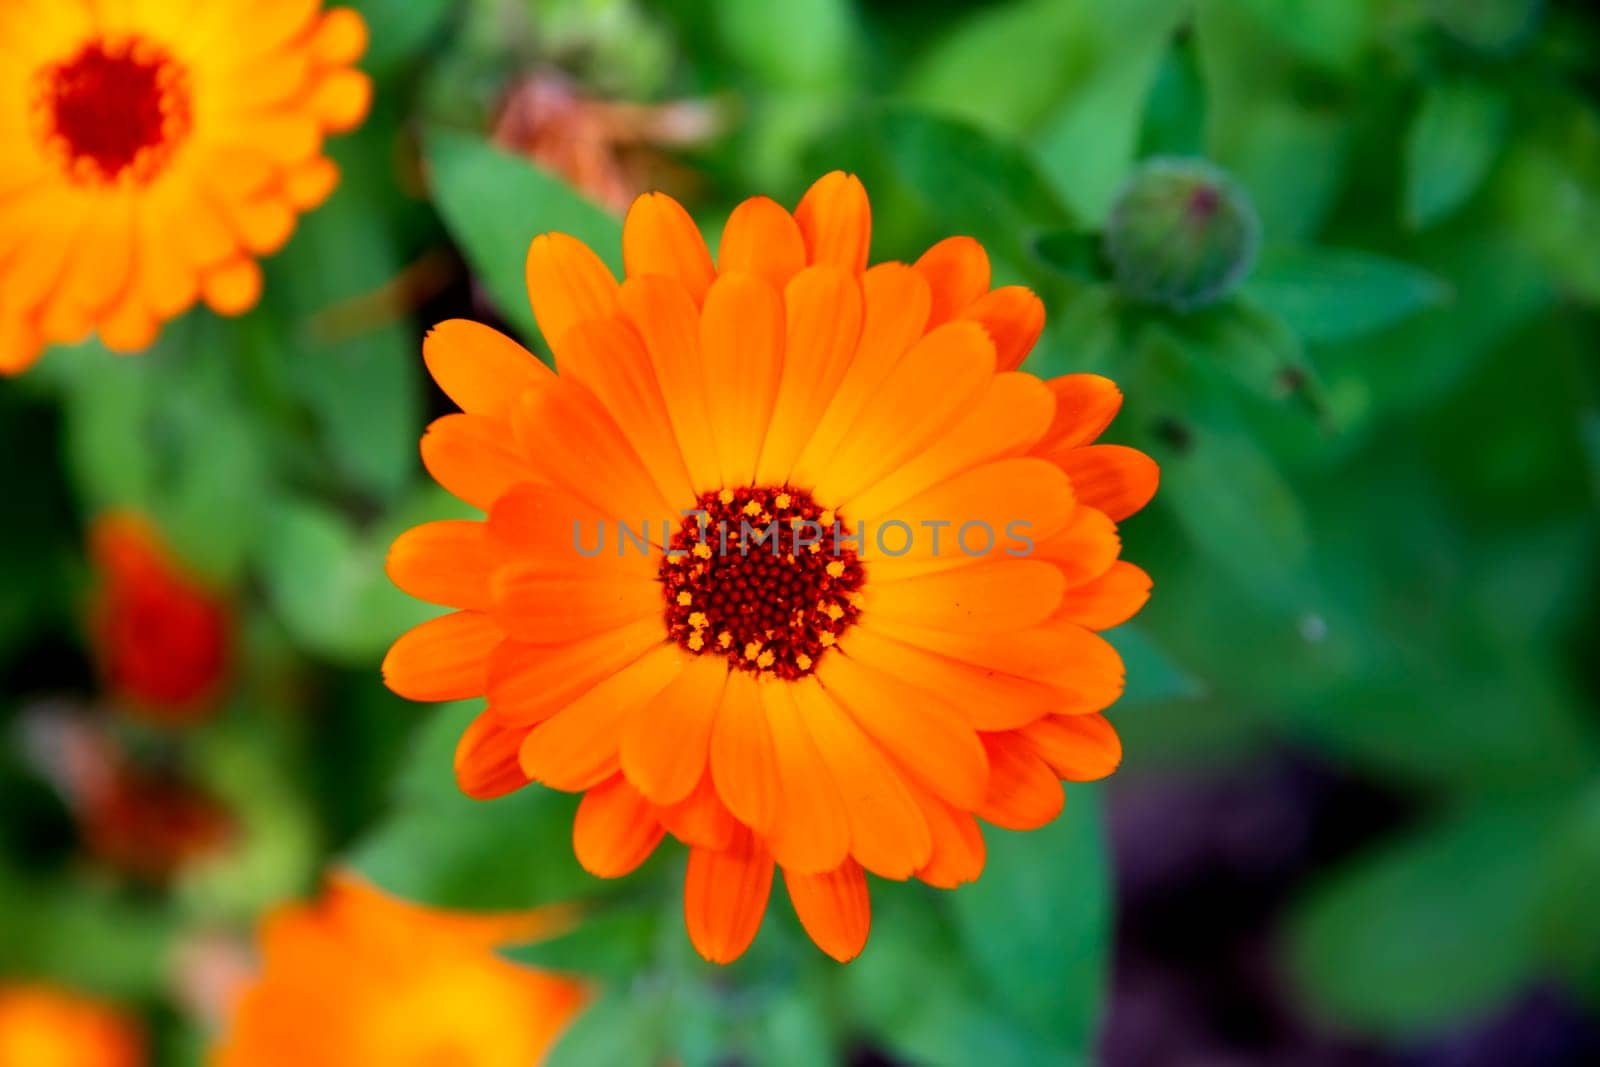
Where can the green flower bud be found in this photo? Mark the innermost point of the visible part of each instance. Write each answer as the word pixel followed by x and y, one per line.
pixel 1181 233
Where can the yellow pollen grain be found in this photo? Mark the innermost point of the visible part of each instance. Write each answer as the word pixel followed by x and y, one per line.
pixel 826 639
pixel 698 620
pixel 834 612
pixel 803 661
pixel 783 500
pixel 752 650
pixel 826 518
pixel 814 549
pixel 702 550
pixel 684 599
pixel 752 508
pixel 836 569
pixel 696 642
pixel 726 496
pixel 724 639
pixel 766 659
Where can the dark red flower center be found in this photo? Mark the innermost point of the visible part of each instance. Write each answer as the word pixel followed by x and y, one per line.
pixel 764 576
pixel 115 108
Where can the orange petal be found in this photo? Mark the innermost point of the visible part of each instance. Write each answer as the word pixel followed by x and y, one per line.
pixel 986 698
pixel 482 370
pixel 576 748
pixel 486 758
pixel 957 269
pixel 659 237
pixel 341 99
pixel 668 321
pixel 529 683
pixel 1085 406
pixel 983 597
pixel 888 834
pixel 926 394
pixel 543 604
pixel 340 38
pixel 309 184
pixel 572 439
pixel 1113 478
pixel 608 357
pixel 615 830
pixel 700 819
pixel 762 238
pixel 813 829
pixel 548 526
pixel 1014 317
pixel 725 897
pixel 1011 416
pixel 958 848
pixel 1083 670
pixel 996 511
pixel 743 763
pixel 1085 548
pixel 823 326
pixel 475 458
pixel 665 743
pixel 1024 792
pixel 895 299
pixel 1107 601
pixel 742 342
pixel 233 288
pixel 834 907
pixel 926 736
pixel 567 284
pixel 444 563
pixel 1079 748
pixel 836 221
pixel 443 659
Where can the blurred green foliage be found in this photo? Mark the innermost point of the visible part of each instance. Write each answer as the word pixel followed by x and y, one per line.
pixel 1376 534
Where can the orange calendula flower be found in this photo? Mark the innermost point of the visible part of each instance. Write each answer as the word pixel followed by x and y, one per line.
pixel 361 978
pixel 161 636
pixel 833 705
pixel 150 152
pixel 45 1027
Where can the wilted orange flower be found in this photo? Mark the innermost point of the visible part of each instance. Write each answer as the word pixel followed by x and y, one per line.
pixel 45 1027
pixel 150 152
pixel 835 708
pixel 361 978
pixel 161 636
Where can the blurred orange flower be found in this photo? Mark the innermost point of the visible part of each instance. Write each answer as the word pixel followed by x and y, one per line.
pixel 836 707
pixel 161 636
pixel 45 1027
pixel 362 978
pixel 149 152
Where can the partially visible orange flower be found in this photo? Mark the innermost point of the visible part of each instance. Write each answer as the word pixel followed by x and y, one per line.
pixel 45 1027
pixel 150 152
pixel 362 978
pixel 849 705
pixel 161 636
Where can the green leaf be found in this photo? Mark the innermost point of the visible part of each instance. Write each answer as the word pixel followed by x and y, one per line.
pixel 1437 926
pixel 612 1030
pixel 1036 925
pixel 445 849
pixel 1225 491
pixel 406 27
pixel 614 945
pixel 495 204
pixel 971 182
pixel 85 935
pixel 1089 143
pixel 327 584
pixel 1450 146
pixel 799 44
pixel 1331 294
